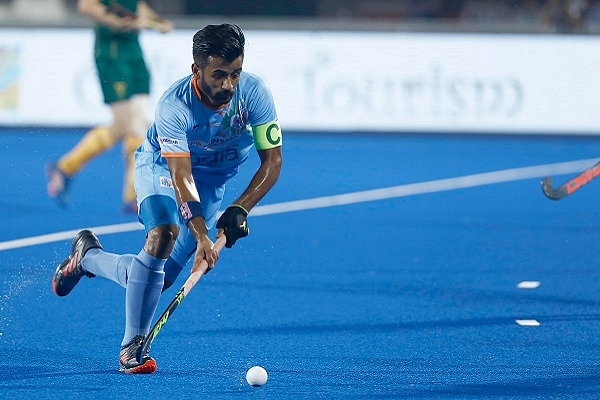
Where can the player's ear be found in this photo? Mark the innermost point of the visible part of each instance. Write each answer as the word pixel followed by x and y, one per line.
pixel 195 69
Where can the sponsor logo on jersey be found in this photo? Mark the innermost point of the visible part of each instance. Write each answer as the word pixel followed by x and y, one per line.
pixel 120 89
pixel 166 182
pixel 216 142
pixel 216 157
pixel 168 141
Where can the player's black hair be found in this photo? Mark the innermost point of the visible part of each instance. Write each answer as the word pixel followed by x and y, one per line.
pixel 225 41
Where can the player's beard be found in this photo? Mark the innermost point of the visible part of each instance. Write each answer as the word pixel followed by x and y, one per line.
pixel 223 97
pixel 217 98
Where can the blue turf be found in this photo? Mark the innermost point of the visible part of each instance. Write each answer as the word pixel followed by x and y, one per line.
pixel 413 297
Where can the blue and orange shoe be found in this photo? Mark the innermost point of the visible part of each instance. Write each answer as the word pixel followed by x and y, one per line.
pixel 70 271
pixel 58 184
pixel 128 358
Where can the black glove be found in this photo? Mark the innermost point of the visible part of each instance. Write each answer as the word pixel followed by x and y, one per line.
pixel 234 224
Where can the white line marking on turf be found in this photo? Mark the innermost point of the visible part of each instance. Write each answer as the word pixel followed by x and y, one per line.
pixel 528 284
pixel 67 235
pixel 462 182
pixel 440 185
pixel 527 322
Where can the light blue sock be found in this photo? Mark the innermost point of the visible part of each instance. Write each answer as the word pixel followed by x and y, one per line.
pixel 144 285
pixel 107 265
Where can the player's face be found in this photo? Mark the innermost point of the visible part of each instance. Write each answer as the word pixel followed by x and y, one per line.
pixel 218 79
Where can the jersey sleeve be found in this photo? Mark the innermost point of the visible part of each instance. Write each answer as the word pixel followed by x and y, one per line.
pixel 172 120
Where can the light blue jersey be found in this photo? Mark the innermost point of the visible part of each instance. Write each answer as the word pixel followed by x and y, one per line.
pixel 218 141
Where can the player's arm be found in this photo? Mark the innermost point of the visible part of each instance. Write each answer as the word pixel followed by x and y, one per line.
pixel 99 13
pixel 263 180
pixel 190 208
pixel 233 222
pixel 152 20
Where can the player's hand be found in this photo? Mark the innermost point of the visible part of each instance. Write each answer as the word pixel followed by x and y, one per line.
pixel 127 24
pixel 234 224
pixel 205 251
pixel 162 25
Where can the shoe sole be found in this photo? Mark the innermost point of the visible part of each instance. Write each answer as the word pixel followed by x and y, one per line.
pixel 64 269
pixel 149 367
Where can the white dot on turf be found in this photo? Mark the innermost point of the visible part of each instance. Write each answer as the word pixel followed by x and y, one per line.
pixel 528 284
pixel 527 322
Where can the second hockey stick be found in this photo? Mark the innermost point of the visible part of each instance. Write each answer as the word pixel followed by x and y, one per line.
pixel 571 186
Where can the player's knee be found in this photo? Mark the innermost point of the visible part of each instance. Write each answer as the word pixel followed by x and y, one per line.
pixel 131 144
pixel 160 240
pixel 139 126
pixel 104 137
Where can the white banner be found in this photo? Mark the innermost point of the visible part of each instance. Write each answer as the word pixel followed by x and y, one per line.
pixel 398 82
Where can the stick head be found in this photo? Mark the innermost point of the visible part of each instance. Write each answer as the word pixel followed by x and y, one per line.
pixel 547 185
pixel 550 192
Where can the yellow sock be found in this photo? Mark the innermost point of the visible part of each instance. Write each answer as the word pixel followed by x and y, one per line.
pixel 130 145
pixel 94 142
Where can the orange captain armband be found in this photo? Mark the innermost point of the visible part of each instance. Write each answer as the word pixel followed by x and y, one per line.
pixel 267 136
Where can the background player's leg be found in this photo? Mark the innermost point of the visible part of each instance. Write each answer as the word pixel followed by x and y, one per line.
pixel 93 143
pixel 130 145
pixel 130 118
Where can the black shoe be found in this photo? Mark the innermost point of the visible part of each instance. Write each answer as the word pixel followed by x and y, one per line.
pixel 70 271
pixel 128 358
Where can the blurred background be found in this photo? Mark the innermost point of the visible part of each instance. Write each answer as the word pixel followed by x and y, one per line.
pixel 542 16
pixel 401 66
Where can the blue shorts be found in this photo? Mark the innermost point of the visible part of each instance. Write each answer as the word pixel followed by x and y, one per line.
pixel 158 206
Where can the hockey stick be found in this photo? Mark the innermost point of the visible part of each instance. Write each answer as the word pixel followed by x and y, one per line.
pixel 185 289
pixel 571 186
